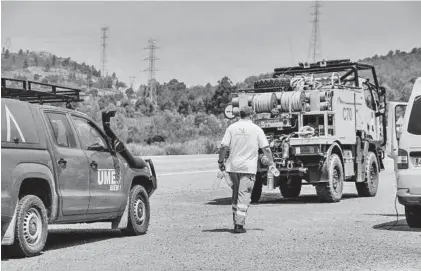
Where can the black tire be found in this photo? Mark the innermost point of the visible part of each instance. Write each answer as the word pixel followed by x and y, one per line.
pixel 256 193
pixel 413 216
pixel 139 211
pixel 332 190
pixel 31 229
pixel 368 188
pixel 291 187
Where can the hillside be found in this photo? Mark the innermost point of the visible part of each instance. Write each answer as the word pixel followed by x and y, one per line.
pixel 397 72
pixel 187 120
pixel 48 68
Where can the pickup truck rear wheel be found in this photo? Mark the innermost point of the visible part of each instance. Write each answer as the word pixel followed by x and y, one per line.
pixel 139 211
pixel 368 188
pixel 31 226
pixel 413 216
pixel 331 191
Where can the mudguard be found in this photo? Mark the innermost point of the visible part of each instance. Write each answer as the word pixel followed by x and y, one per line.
pixel 323 170
pixel 20 173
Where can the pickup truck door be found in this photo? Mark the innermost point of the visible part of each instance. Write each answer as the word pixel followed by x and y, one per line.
pixel 71 164
pixel 105 183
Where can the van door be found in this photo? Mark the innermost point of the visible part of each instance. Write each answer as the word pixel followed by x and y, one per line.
pixel 105 183
pixel 71 163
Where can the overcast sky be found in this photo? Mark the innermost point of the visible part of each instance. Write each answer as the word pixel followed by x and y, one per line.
pixel 203 41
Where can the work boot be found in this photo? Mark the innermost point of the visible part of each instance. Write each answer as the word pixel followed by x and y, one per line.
pixel 239 229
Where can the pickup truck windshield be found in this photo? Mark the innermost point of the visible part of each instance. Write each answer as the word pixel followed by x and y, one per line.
pixel 414 124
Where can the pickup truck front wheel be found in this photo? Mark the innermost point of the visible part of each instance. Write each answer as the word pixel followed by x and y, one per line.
pixel 31 226
pixel 139 211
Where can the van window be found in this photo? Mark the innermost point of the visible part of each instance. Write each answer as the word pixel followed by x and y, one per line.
pixel 414 124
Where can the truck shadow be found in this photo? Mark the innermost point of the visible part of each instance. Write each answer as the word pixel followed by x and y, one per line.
pixel 278 199
pixel 396 225
pixel 64 238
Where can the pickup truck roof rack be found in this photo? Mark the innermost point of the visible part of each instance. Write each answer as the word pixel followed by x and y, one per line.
pixel 37 92
pixel 340 65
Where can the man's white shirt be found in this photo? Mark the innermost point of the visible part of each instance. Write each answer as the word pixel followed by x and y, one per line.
pixel 244 139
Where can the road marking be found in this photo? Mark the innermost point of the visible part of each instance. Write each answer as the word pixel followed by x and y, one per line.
pixel 187 172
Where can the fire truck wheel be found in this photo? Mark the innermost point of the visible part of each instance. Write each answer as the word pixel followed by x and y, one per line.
pixel 368 188
pixel 291 187
pixel 139 211
pixel 257 189
pixel 413 216
pixel 331 191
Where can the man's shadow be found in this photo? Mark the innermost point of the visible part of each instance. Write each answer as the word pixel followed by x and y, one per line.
pixel 230 230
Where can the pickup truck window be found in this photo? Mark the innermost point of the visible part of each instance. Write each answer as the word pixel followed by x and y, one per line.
pixel 90 137
pixel 61 131
pixel 17 123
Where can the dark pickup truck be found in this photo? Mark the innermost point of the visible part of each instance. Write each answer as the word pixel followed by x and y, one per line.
pixel 59 167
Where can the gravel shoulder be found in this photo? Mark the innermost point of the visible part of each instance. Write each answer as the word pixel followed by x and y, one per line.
pixel 191 229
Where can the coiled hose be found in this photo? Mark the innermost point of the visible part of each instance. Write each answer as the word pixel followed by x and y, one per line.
pixel 264 102
pixel 291 101
pixel 300 81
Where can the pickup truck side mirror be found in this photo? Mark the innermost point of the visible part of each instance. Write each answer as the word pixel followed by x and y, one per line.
pixel 96 147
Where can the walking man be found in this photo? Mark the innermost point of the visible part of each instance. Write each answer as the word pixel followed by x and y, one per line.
pixel 243 139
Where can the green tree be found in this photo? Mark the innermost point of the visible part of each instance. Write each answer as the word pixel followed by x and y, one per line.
pixel 35 60
pixel 54 60
pixel 7 54
pixel 66 62
pixel 14 59
pixel 47 67
pixel 221 97
pixel 129 93
pixel 25 64
pixel 20 52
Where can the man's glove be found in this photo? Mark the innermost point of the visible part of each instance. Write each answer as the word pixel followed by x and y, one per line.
pixel 221 165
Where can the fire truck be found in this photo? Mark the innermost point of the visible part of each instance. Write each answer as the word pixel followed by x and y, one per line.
pixel 325 123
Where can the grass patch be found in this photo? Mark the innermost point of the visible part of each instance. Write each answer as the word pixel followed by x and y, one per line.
pixel 197 146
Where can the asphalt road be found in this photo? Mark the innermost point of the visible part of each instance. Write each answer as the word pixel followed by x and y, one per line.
pixel 191 229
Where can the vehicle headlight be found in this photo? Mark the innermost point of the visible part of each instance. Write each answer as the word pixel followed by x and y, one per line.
pixel 308 149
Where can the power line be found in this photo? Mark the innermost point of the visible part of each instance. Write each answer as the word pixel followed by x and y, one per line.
pixel 132 78
pixel 151 92
pixel 7 45
pixel 104 52
pixel 314 49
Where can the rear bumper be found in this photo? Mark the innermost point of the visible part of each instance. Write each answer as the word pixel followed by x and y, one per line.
pixel 407 199
pixel 409 187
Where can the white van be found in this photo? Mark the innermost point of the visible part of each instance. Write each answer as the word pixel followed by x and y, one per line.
pixel 404 146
